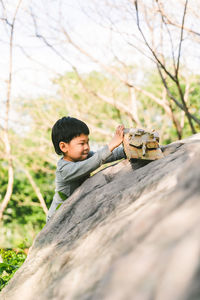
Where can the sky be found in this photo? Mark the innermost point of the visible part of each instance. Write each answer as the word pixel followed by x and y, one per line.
pixel 93 26
pixel 35 64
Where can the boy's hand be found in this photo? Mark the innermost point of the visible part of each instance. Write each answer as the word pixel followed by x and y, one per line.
pixel 117 139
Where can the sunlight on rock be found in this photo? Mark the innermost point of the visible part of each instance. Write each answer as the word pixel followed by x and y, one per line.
pixel 126 233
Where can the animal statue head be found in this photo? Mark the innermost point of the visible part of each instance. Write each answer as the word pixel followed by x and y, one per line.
pixel 142 144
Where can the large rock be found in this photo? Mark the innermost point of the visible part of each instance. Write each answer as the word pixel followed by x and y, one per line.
pixel 132 231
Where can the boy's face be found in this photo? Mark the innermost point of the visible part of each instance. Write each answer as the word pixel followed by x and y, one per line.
pixel 77 149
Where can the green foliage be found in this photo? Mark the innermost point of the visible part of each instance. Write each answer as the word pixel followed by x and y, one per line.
pixel 92 108
pixel 10 261
pixel 24 217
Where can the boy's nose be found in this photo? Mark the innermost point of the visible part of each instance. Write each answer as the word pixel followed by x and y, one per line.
pixel 86 147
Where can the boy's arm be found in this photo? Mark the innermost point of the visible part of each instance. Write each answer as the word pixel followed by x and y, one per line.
pixel 75 170
pixel 117 153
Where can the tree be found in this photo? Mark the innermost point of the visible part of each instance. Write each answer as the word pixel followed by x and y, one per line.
pixel 154 36
pixel 5 129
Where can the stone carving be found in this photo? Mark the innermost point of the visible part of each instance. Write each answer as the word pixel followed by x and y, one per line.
pixel 142 144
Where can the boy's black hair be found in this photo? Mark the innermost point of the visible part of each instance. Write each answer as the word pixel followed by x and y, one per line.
pixel 65 129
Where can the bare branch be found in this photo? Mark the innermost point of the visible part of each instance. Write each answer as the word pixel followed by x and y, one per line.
pixel 6 21
pixel 6 134
pixel 161 66
pixel 134 109
pixel 36 189
pixel 172 22
pixel 9 189
pixel 119 76
pixel 169 33
pixel 111 101
pixel 186 96
pixel 181 106
pixel 181 39
pixel 38 35
pixel 150 48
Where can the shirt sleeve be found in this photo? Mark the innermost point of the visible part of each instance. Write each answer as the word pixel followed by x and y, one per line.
pixel 75 170
pixel 117 153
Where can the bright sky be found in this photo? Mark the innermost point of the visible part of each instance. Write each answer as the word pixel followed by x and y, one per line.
pixel 32 76
pixel 87 22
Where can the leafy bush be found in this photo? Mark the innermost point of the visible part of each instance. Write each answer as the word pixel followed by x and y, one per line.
pixel 10 261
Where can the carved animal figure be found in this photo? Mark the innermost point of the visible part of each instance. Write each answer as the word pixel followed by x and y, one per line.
pixel 142 144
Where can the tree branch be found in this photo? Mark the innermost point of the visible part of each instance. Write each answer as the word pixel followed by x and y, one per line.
pixel 181 39
pixel 175 100
pixel 6 129
pixel 147 44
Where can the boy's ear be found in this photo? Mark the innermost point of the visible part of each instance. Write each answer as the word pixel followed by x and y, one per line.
pixel 63 147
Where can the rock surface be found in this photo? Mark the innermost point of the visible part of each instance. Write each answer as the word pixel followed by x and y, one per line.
pixel 131 231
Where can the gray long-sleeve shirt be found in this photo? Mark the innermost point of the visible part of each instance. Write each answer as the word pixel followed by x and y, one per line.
pixel 70 175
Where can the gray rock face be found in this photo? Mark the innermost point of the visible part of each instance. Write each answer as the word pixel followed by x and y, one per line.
pixel 132 231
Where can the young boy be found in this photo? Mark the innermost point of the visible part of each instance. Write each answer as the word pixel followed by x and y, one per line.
pixel 70 139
